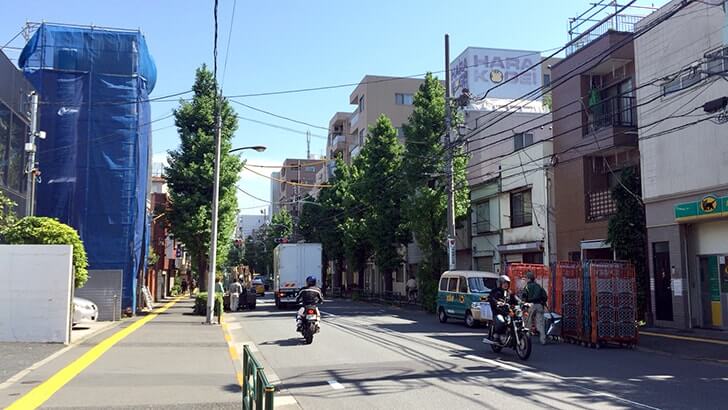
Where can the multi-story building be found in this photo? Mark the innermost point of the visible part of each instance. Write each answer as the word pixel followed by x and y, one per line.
pixel 15 93
pixel 684 163
pixel 161 275
pixel 595 137
pixel 275 193
pixel 508 170
pixel 341 140
pixel 510 182
pixel 298 178
pixel 377 95
pixel 247 224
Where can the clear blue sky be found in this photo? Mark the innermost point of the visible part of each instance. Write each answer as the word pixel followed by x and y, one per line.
pixel 289 44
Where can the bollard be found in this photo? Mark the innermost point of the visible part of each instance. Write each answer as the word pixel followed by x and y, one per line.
pixel 269 392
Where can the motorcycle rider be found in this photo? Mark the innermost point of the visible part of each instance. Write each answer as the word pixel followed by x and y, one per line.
pixel 500 301
pixel 309 296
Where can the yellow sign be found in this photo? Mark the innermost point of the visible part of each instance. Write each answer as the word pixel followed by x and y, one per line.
pixel 450 298
pixel 462 298
pixel 709 204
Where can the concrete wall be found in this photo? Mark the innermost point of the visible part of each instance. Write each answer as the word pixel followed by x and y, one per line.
pixel 695 158
pixel 35 296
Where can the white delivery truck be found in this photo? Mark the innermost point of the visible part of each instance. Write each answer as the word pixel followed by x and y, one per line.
pixel 292 264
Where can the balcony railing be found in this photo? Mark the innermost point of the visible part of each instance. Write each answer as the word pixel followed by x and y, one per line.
pixel 600 205
pixel 620 22
pixel 354 119
pixel 355 151
pixel 618 111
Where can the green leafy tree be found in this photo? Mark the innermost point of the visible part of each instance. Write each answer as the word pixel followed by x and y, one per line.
pixel 37 230
pixel 7 213
pixel 627 232
pixel 190 174
pixel 236 254
pixel 425 156
pixel 254 252
pixel 380 190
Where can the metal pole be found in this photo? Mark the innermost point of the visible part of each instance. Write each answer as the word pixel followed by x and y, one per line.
pixel 449 152
pixel 215 202
pixel 30 149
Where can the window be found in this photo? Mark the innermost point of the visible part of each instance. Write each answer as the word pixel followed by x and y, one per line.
pixel 522 140
pixel 310 169
pixel 484 263
pixel 452 285
pixel 403 99
pixel 361 138
pixel 683 81
pixel 18 132
pixel 717 61
pixel 4 138
pixel 478 285
pixel 463 285
pixel 521 213
pixel 443 284
pixel 482 217
pixel 361 104
pixel 546 80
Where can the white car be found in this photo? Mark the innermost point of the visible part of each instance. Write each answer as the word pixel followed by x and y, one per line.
pixel 84 310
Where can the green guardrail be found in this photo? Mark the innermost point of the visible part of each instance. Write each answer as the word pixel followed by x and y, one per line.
pixel 258 393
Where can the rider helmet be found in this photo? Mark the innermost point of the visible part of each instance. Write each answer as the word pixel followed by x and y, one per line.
pixel 503 279
pixel 311 281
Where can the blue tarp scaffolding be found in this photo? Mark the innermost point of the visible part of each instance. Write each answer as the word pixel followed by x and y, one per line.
pixel 94 85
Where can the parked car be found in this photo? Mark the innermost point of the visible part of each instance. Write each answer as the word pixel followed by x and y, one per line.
pixel 461 294
pixel 259 286
pixel 84 310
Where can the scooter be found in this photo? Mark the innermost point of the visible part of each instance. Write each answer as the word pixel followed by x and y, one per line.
pixel 310 323
pixel 516 335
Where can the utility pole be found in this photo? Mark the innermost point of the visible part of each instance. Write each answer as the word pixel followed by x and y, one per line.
pixel 215 203
pixel 449 169
pixel 30 149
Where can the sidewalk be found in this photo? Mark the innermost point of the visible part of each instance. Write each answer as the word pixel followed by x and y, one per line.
pixel 171 360
pixel 696 344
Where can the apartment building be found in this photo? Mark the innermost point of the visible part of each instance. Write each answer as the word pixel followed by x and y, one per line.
pixel 510 179
pixel 275 193
pixel 297 180
pixel 595 138
pixel 684 164
pixel 377 95
pixel 247 224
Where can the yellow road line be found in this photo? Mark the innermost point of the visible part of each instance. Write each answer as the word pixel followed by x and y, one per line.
pixel 239 375
pixel 45 390
pixel 690 338
pixel 232 350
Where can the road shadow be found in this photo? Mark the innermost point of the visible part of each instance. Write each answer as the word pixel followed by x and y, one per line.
pixel 232 388
pixel 284 342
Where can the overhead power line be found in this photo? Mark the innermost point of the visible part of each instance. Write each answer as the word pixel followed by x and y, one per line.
pixel 283 181
pixel 283 117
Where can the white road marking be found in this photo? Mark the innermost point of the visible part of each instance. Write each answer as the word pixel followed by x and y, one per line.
pixel 546 375
pixel 336 385
pixel 281 401
pixel 327 314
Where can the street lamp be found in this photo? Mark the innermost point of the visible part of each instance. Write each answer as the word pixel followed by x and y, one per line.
pixel 258 148
pixel 215 205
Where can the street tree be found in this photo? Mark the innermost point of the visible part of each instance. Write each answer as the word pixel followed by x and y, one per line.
pixel 426 187
pixel 627 232
pixel 380 191
pixel 190 174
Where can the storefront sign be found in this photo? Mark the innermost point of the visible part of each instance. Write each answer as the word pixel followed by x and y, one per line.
pixel 677 287
pixel 710 206
pixel 480 70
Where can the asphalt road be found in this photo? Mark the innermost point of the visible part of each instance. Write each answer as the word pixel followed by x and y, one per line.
pixel 374 357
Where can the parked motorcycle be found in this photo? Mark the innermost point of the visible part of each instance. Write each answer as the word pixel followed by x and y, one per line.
pixel 515 336
pixel 310 323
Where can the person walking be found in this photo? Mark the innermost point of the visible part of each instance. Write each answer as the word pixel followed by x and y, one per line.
pixel 235 290
pixel 411 289
pixel 535 294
